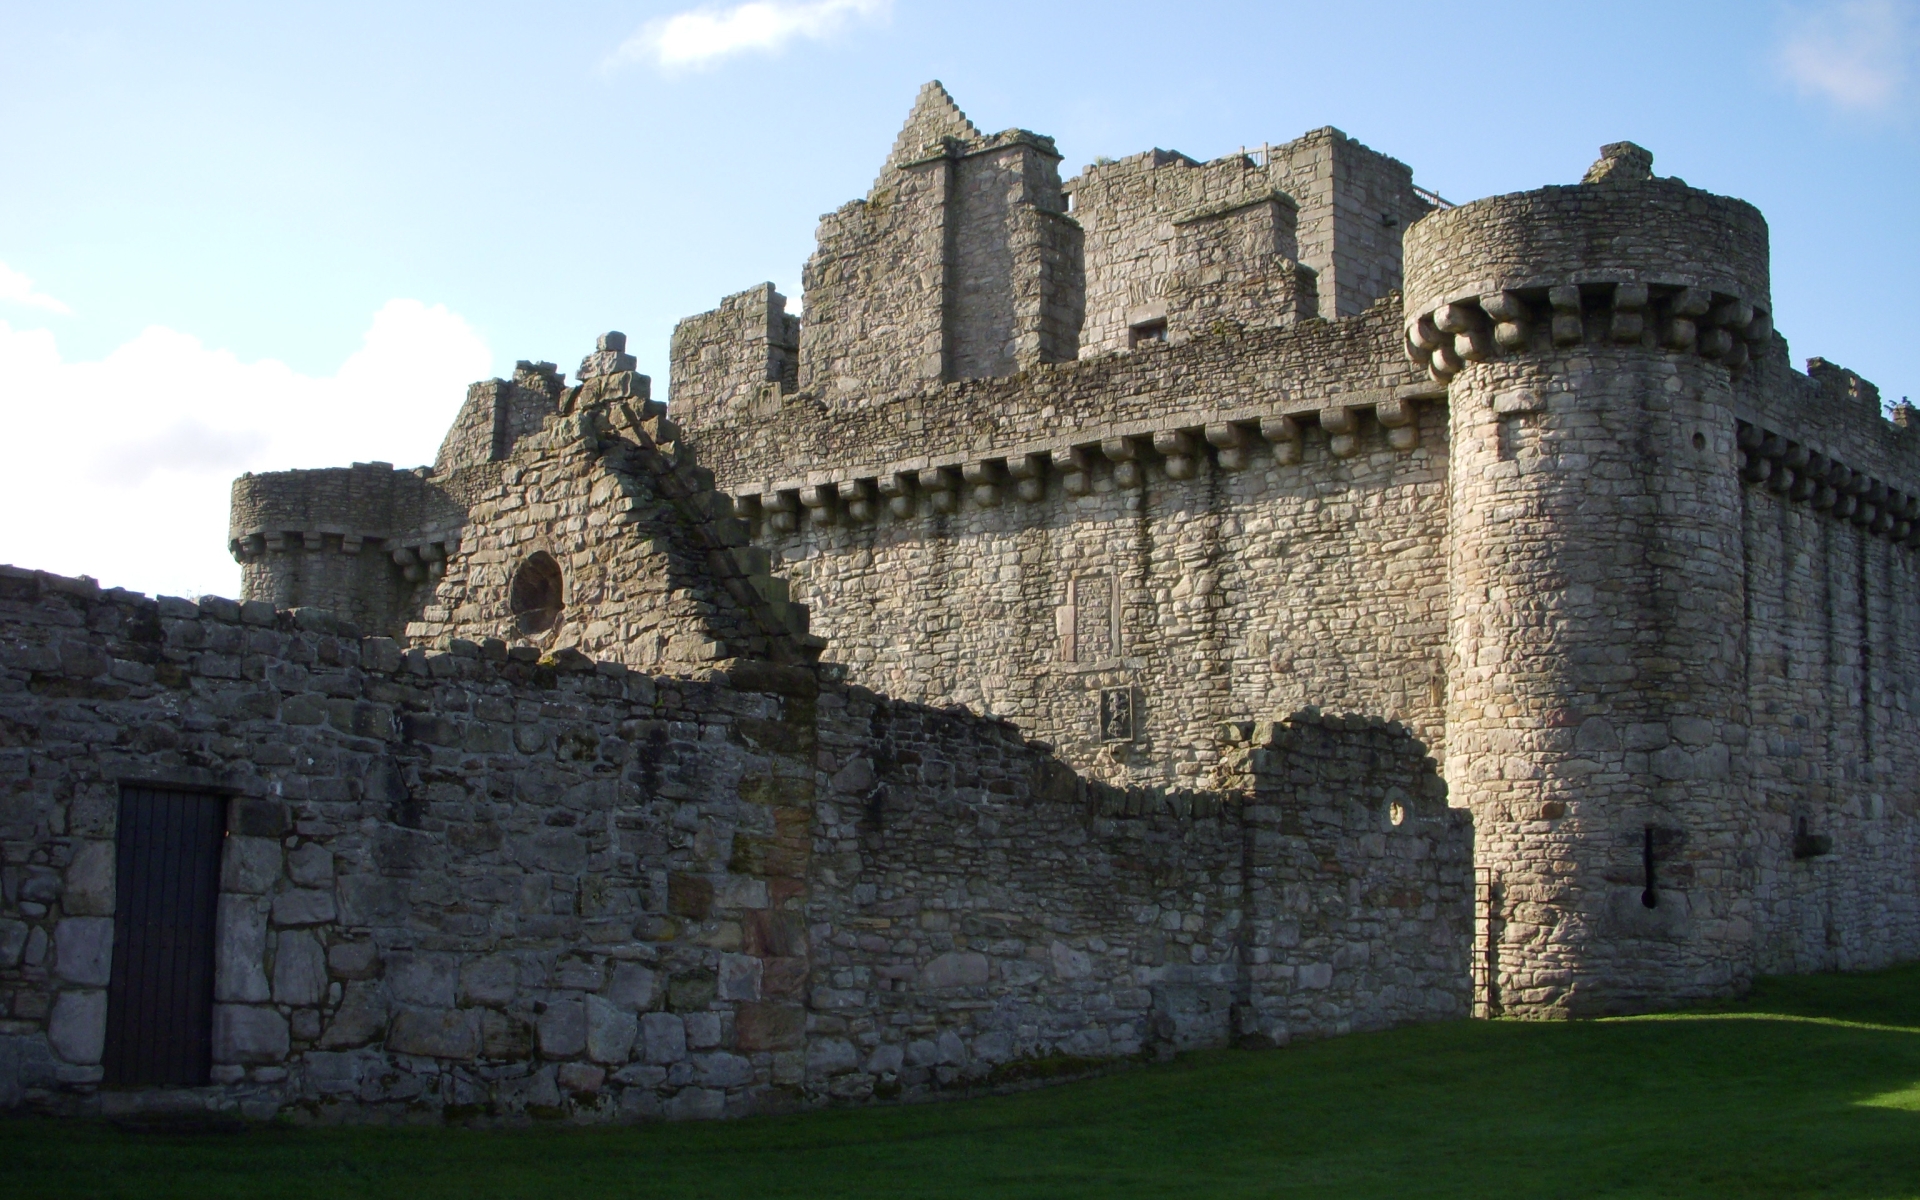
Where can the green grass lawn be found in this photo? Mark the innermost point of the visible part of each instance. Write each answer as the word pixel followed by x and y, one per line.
pixel 1811 1087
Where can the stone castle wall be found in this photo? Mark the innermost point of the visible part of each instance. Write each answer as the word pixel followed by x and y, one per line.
pixel 1030 547
pixel 486 885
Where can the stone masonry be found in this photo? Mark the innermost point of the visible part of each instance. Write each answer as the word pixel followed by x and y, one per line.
pixel 900 707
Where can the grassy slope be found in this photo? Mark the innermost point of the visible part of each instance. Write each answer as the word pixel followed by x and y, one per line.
pixel 1809 1088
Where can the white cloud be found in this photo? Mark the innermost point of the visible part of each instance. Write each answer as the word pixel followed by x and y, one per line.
pixel 121 468
pixel 1853 54
pixel 16 288
pixel 702 36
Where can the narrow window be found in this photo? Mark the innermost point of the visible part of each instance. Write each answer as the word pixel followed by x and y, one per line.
pixel 537 594
pixel 160 991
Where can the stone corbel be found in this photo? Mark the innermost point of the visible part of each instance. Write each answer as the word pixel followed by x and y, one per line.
pixel 1030 474
pixel 1283 433
pixel 1470 340
pixel 1177 446
pixel 1568 325
pixel 941 486
pixel 1231 442
pixel 818 500
pixel 860 503
pixel 1401 419
pixel 1509 313
pixel 1629 312
pixel 897 487
pixel 1124 454
pixel 1342 431
pixel 1076 470
pixel 785 517
pixel 984 478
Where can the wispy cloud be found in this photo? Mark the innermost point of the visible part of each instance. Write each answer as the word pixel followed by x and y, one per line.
pixel 141 500
pixel 16 288
pixel 702 36
pixel 1855 55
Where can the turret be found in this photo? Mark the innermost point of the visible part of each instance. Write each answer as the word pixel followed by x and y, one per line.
pixel 1592 337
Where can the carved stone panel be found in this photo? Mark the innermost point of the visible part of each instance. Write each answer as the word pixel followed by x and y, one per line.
pixel 1089 622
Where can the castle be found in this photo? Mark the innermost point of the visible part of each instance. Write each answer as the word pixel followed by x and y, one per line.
pixel 1189 602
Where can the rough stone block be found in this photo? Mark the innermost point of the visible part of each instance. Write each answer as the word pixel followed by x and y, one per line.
pixel 493 981
pixel 13 942
pixel 956 968
pixel 249 1034
pixel 435 1033
pixel 664 1037
pixel 610 1031
pixel 299 970
pixel 563 1027
pixel 251 865
pixel 311 866
pixel 632 986
pixel 77 1026
pixel 739 977
pixel 303 906
pixel 90 880
pixel 426 980
pixel 83 950
pixel 361 1017
pixel 353 960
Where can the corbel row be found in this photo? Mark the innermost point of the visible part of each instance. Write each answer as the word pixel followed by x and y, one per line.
pixel 986 483
pixel 1719 327
pixel 1800 473
pixel 418 559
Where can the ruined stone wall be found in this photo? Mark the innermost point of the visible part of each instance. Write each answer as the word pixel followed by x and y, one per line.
pixel 1232 267
pixel 1355 205
pixel 1015 283
pixel 1339 210
pixel 994 912
pixel 470 881
pixel 725 361
pixel 490 886
pixel 1181 526
pixel 499 412
pixel 876 288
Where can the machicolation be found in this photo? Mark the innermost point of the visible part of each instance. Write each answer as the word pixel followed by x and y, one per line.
pixel 1183 604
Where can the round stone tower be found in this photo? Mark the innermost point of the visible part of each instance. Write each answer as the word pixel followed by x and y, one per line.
pixel 1592 337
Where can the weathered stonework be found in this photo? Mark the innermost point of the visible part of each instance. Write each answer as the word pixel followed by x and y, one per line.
pixel 1068 483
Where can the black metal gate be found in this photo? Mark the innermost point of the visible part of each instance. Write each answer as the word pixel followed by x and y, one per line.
pixel 160 998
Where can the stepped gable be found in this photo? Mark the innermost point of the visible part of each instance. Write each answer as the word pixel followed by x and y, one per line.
pixel 935 119
pixel 599 533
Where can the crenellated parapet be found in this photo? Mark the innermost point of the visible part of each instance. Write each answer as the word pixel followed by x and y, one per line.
pixel 355 540
pixel 1629 259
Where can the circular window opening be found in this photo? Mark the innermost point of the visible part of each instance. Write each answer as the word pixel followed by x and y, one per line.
pixel 536 594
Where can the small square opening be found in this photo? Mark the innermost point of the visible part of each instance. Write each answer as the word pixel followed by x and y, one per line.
pixel 1147 331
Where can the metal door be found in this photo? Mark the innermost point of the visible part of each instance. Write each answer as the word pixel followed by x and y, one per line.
pixel 160 998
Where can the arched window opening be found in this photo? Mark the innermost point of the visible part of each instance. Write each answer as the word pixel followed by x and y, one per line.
pixel 537 594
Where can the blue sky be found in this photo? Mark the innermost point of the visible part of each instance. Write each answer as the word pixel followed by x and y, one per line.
pixel 245 236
